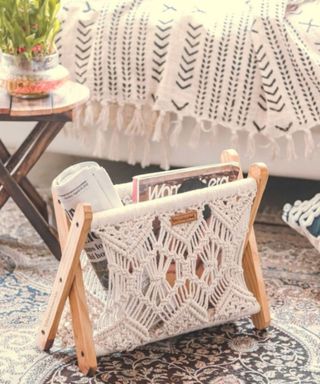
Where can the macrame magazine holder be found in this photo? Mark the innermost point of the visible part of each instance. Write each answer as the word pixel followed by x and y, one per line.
pixel 215 268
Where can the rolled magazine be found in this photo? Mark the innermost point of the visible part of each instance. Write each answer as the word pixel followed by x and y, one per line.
pixel 87 182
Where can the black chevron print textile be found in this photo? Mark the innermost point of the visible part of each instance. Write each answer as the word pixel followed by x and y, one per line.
pixel 250 65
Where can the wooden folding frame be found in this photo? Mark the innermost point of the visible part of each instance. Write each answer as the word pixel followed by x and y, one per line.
pixel 69 280
pixel 14 183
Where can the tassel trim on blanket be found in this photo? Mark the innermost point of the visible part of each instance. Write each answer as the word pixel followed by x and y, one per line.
pixel 96 121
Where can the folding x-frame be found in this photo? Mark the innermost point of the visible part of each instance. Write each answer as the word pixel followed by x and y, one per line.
pixel 69 279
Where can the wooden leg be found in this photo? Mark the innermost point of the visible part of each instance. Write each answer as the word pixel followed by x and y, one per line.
pixel 29 152
pixel 14 183
pixel 27 207
pixel 81 323
pixel 28 188
pixel 65 276
pixel 254 280
pixel 251 260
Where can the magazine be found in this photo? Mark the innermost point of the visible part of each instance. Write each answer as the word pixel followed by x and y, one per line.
pixel 159 184
pixel 88 183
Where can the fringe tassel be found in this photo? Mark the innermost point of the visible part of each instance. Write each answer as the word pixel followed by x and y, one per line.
pixel 309 144
pixel 104 117
pixel 101 144
pixel 115 138
pixel 102 127
pixel 291 150
pixel 251 145
pixel 132 151
pixel 146 153
pixel 77 114
pixel 234 141
pixel 195 136
pixel 214 131
pixel 164 164
pixel 89 118
pixel 120 119
pixel 275 148
pixel 176 131
pixel 114 146
pixel 157 135
pixel 136 126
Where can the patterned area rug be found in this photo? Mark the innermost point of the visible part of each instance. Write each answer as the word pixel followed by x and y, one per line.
pixel 288 352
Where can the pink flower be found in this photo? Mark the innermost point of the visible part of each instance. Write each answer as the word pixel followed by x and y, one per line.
pixel 37 48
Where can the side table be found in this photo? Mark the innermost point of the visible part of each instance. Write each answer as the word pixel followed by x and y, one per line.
pixel 51 114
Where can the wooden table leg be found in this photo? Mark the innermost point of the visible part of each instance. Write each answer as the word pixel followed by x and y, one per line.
pixel 47 233
pixel 29 152
pixel 28 188
pixel 14 171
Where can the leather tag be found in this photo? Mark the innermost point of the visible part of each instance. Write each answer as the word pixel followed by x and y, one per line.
pixel 182 218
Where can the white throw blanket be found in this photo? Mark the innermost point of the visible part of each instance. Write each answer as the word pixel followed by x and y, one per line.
pixel 249 65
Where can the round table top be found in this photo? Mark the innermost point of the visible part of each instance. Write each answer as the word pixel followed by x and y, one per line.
pixel 62 100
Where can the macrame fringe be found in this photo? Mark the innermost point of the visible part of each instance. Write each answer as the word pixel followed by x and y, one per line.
pixel 214 131
pixel 102 126
pixel 164 164
pixel 251 145
pixel 291 150
pixel 195 135
pixel 276 150
pixel 136 127
pixel 77 115
pixel 101 144
pixel 309 144
pixel 146 153
pixel 114 145
pixel 104 117
pixel 119 119
pixel 176 131
pixel 234 140
pixel 157 135
pixel 89 117
pixel 131 151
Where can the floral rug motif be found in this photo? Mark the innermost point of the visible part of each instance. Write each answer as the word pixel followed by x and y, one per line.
pixel 235 353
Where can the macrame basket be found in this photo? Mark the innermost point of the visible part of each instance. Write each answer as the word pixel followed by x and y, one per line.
pixel 175 265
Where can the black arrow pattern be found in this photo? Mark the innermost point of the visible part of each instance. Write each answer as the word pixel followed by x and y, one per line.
pixel 270 90
pixel 127 48
pixel 237 61
pixel 219 70
pixel 141 57
pixel 83 49
pixel 98 78
pixel 204 73
pixel 248 72
pixel 189 56
pixel 160 50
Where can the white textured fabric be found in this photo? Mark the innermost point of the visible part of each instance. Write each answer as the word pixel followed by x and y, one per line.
pixel 208 286
pixel 249 65
pixel 304 217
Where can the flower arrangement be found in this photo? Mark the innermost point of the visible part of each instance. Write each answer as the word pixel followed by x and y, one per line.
pixel 28 27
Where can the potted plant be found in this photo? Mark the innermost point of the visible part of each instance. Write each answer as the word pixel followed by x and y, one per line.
pixel 29 60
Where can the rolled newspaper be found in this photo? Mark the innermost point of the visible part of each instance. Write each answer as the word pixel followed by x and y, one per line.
pixel 87 182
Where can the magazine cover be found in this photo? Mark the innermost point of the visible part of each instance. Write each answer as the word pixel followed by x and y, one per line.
pixel 155 185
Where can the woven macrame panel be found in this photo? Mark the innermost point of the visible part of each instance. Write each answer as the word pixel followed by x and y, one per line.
pixel 168 278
